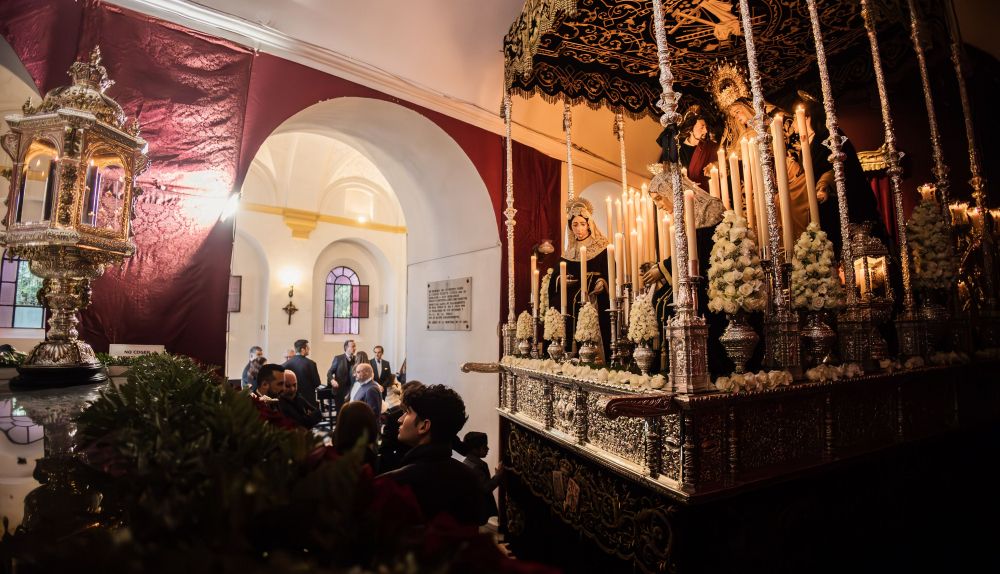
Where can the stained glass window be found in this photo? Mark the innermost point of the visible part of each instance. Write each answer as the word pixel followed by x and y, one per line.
pixel 346 302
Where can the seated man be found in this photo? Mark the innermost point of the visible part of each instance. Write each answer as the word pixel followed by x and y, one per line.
pixel 294 406
pixel 434 414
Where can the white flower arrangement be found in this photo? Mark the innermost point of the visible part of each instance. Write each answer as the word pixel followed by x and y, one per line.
pixel 949 358
pixel 524 327
pixel 588 329
pixel 555 326
pixel 824 373
pixel 735 277
pixel 815 286
pixel 642 319
pixel 748 382
pixel 543 293
pixel 934 265
pixel 621 379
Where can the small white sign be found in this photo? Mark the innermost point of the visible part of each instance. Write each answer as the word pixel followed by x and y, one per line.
pixel 126 350
pixel 449 305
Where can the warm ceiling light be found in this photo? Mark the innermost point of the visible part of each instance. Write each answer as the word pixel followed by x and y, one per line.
pixel 362 219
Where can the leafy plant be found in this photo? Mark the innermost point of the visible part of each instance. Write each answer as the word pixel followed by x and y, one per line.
pixel 115 361
pixel 10 359
pixel 192 479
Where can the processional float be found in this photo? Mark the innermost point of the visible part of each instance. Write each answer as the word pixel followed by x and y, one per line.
pixel 826 361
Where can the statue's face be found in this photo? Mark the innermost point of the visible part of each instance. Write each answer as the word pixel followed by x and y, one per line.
pixel 580 228
pixel 661 202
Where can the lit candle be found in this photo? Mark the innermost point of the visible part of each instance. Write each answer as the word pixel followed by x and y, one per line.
pixel 583 274
pixel 661 231
pixel 634 262
pixel 734 178
pixel 630 225
pixel 610 228
pixel 641 250
pixel 612 287
pixel 976 217
pixel 781 174
pixel 689 227
pixel 927 193
pixel 563 285
pixel 618 216
pixel 723 178
pixel 640 226
pixel 619 264
pixel 534 285
pixel 748 181
pixel 534 293
pixel 713 182
pixel 807 164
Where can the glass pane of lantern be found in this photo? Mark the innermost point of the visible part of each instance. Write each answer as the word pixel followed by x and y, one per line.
pixel 7 291
pixel 27 286
pixel 28 317
pixel 37 183
pixel 6 316
pixel 104 197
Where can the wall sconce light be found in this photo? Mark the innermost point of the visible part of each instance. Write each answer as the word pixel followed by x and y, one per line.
pixel 289 277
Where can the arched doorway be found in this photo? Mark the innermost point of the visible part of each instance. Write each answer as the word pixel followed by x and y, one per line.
pixel 450 233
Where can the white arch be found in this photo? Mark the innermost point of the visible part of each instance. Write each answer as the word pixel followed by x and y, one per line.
pixel 434 180
pixel 452 233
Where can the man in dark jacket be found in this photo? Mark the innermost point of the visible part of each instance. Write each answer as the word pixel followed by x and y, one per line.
pixel 306 372
pixel 434 414
pixel 293 406
pixel 381 369
pixel 340 375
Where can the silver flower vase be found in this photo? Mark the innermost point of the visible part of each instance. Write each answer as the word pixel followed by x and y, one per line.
pixel 739 340
pixel 818 338
pixel 588 352
pixel 524 345
pixel 936 318
pixel 556 350
pixel 644 357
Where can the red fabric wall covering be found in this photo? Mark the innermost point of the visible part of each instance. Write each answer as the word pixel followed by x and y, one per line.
pixel 189 93
pixel 537 185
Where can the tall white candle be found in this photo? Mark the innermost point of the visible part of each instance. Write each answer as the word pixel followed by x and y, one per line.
pixel 758 181
pixel 807 164
pixel 619 263
pixel 713 182
pixel 692 239
pixel 611 275
pixel 661 232
pixel 781 174
pixel 629 226
pixel 748 181
pixel 563 286
pixel 583 274
pixel 618 216
pixel 640 226
pixel 641 259
pixel 534 293
pixel 534 285
pixel 611 217
pixel 634 262
pixel 723 178
pixel 734 178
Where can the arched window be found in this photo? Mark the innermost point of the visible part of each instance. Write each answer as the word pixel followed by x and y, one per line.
pixel 19 307
pixel 346 302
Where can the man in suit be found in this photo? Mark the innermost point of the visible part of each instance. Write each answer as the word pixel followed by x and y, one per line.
pixel 364 388
pixel 383 372
pixel 293 406
pixel 306 372
pixel 340 375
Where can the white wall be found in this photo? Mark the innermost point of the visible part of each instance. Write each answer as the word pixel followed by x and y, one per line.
pixel 379 259
pixel 436 356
